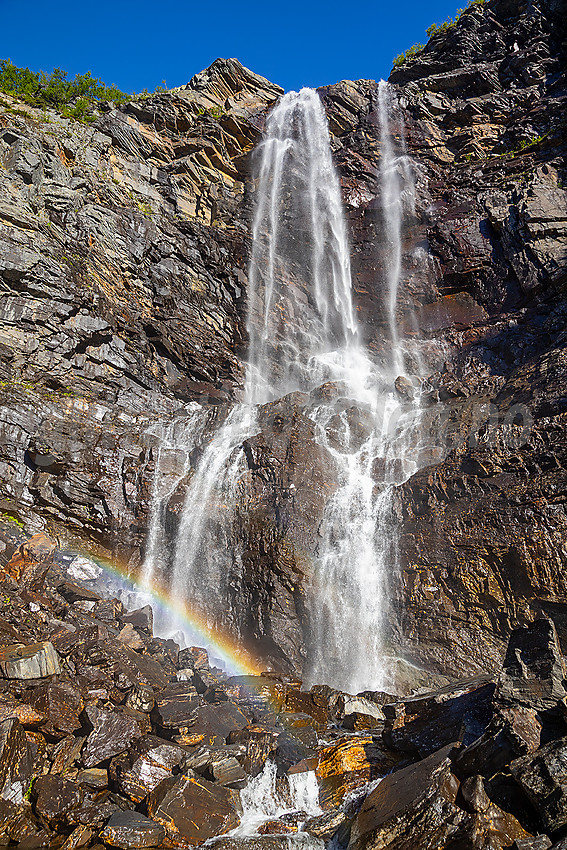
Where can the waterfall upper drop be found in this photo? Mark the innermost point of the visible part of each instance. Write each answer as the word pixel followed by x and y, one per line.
pixel 301 322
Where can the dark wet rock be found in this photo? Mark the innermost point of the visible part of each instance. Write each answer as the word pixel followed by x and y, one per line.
pixel 543 778
pixel 35 661
pixel 414 806
pixel 130 830
pixel 291 841
pixel 536 842
pixel 55 798
pixel 16 761
pixel 28 716
pixel 325 826
pixel 349 762
pixel 176 705
pixel 61 704
pixel 140 618
pixel 216 722
pixel 423 724
pixel 94 777
pixel 533 671
pixel 111 734
pixel 66 753
pixel 141 697
pixel 148 761
pixel 192 810
pixel 511 732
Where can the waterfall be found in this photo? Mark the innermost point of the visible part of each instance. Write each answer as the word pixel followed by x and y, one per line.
pixel 301 320
pixel 359 549
pixel 303 333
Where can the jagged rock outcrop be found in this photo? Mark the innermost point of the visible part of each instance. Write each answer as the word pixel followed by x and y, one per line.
pixel 123 263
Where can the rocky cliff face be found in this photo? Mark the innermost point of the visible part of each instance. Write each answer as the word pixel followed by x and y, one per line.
pixel 123 264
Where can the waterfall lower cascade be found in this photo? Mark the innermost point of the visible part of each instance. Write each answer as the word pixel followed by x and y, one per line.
pixel 303 333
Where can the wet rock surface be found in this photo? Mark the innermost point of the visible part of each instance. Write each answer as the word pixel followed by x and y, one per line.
pixel 281 765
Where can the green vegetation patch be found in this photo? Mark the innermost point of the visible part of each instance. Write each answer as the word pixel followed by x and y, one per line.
pixel 413 52
pixel 73 98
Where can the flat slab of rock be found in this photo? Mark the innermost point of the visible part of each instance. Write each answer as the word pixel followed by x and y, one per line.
pixel 193 810
pixel 112 734
pixel 130 830
pixel 413 807
pixel 35 661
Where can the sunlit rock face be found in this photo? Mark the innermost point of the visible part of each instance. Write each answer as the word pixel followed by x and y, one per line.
pixel 124 269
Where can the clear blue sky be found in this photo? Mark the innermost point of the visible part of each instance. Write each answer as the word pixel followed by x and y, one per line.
pixel 137 45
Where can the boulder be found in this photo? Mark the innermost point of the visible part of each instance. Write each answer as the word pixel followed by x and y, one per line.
pixel 55 798
pixel 424 724
pixel 61 704
pixel 176 705
pixel 112 733
pixel 344 765
pixel 35 661
pixel 325 826
pixel 30 562
pixel 16 761
pixel 131 830
pixel 149 760
pixel 533 670
pixel 413 807
pixel 542 776
pixel 140 618
pixel 512 732
pixel 192 810
pixel 216 722
pixel 28 716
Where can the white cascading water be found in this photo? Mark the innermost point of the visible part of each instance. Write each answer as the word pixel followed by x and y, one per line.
pixel 303 332
pixel 262 800
pixel 359 553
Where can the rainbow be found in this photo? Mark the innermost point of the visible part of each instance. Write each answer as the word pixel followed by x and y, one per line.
pixel 234 657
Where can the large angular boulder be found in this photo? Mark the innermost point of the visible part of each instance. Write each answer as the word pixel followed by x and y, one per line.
pixel 131 830
pixel 61 705
pixel 543 778
pixel 512 732
pixel 55 798
pixel 423 724
pixel 413 807
pixel 31 561
pixel 176 705
pixel 148 762
pixel 112 733
pixel 192 810
pixel 16 761
pixel 35 661
pixel 533 671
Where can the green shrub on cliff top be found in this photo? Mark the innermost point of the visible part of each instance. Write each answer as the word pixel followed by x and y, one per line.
pixel 74 98
pixel 412 52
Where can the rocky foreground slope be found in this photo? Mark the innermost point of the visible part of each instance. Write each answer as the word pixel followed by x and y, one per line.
pixel 112 737
pixel 123 271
